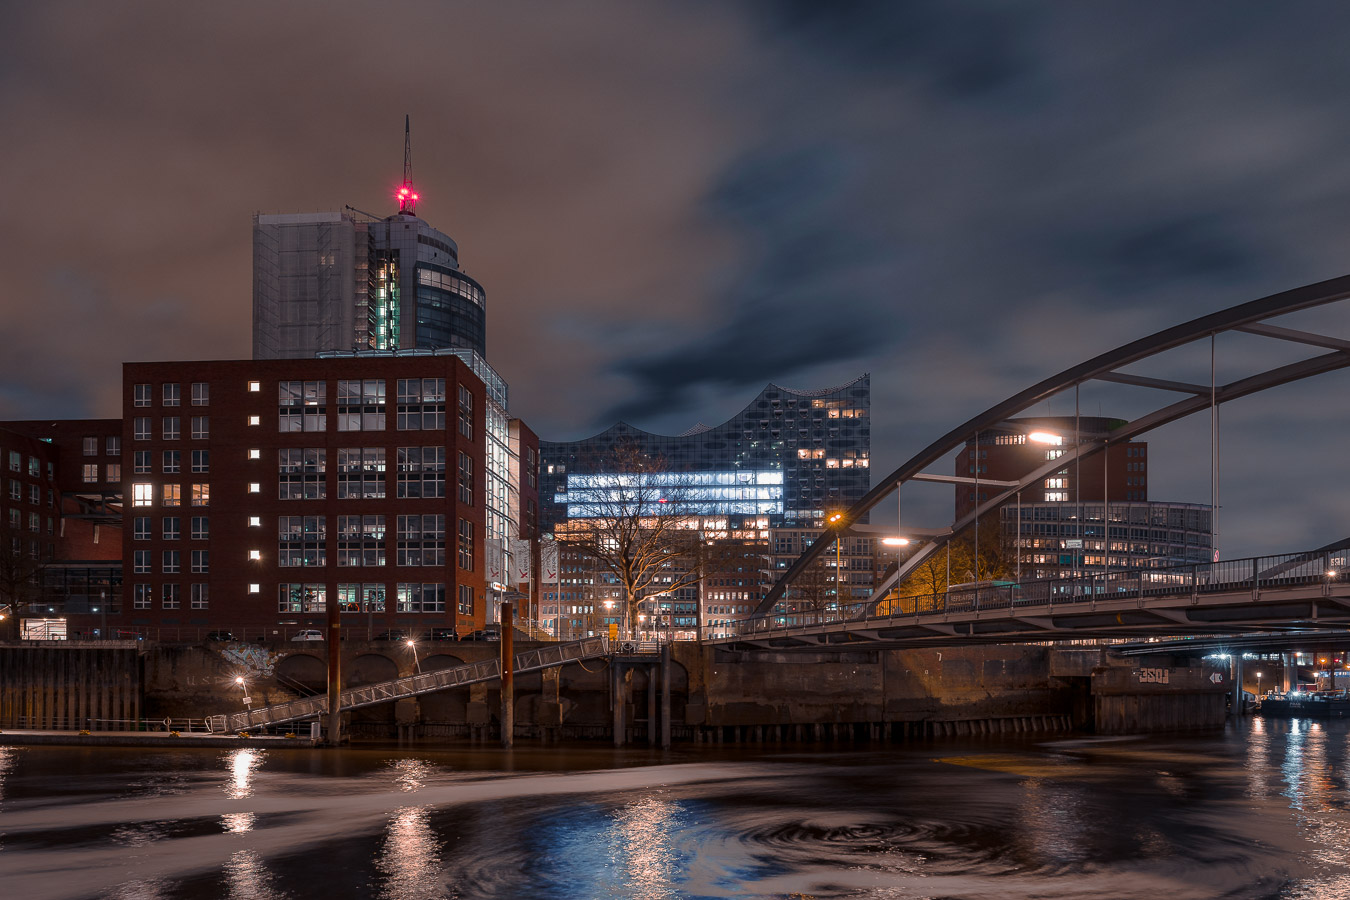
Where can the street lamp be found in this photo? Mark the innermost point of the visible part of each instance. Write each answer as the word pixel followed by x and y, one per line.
pixel 1258 685
pixel 239 680
pixel 834 519
pixel 417 666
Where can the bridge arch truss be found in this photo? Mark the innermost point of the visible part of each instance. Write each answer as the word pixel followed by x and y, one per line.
pixel 1329 354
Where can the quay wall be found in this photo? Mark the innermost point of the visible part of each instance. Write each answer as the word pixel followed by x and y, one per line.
pixel 714 694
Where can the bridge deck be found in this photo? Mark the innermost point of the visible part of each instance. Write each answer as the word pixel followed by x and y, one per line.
pixel 544 657
pixel 1296 590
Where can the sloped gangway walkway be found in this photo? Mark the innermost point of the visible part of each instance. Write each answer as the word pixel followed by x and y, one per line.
pixel 545 657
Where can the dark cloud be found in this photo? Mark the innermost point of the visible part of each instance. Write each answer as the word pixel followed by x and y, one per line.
pixel 671 204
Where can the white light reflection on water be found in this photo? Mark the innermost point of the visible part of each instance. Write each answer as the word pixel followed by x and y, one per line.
pixel 642 848
pixel 411 857
pixel 1316 789
pixel 243 762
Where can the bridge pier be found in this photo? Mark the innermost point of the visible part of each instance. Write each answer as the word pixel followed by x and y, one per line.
pixel 617 700
pixel 665 697
pixel 1235 706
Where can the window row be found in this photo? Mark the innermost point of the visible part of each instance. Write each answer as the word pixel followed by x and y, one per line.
pixel 420 471
pixel 34 493
pixel 34 522
pixel 170 528
pixel 143 494
pixel 171 394
pixel 410 597
pixel 170 461
pixel 170 561
pixel 171 596
pixel 34 465
pixel 361 540
pixel 112 445
pixel 170 428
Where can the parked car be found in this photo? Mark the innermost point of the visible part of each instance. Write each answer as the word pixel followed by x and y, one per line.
pixel 444 634
pixel 219 636
pixel 308 634
pixel 491 633
pixel 392 634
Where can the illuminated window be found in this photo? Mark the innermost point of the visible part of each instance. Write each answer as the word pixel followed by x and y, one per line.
pixel 254 487
pixel 254 588
pixel 173 494
pixel 255 453
pixel 142 494
pixel 254 386
pixel 201 495
pixel 1056 496
pixel 255 420
pixel 254 521
pixel 255 555
pixel 89 473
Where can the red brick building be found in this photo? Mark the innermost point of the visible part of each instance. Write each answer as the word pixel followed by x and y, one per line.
pixel 257 492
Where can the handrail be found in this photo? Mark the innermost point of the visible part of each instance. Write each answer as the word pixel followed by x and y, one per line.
pixel 1320 566
pixel 542 657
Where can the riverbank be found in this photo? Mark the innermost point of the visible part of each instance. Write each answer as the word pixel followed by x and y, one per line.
pixel 29 738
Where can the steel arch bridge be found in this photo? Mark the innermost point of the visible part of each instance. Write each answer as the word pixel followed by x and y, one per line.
pixel 1252 318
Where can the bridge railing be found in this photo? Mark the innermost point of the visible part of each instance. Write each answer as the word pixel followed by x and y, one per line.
pixel 1254 574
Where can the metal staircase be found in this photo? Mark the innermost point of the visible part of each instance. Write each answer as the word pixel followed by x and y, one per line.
pixel 544 657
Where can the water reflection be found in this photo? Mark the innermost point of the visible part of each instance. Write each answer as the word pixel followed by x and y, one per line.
pixel 642 848
pixel 410 859
pixel 411 774
pixel 243 763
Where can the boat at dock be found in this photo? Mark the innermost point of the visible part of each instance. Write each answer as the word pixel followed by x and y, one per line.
pixel 1306 704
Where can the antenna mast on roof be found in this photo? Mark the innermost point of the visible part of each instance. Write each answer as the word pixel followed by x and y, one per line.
pixel 407 196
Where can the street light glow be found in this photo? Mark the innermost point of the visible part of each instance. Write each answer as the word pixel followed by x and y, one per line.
pixel 1046 437
pixel 895 541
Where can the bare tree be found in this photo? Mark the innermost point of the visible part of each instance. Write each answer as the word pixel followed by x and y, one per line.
pixel 636 526
pixel 994 560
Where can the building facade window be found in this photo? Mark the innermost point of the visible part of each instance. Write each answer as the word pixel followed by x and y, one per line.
pixel 302 541
pixel 201 461
pixel 466 600
pixel 302 473
pixel 140 395
pixel 201 561
pixel 171 394
pixel 301 598
pixel 361 541
pixel 302 406
pixel 140 562
pixel 421 540
pixel 421 598
pixel 465 478
pixel 421 404
pixel 113 474
pixel 361 404
pixel 421 472
pixel 465 412
pixel 169 562
pixel 140 428
pixel 201 596
pixel 140 528
pixel 140 596
pixel 169 528
pixel 170 427
pixel 112 445
pixel 142 494
pixel 90 446
pixel 201 528
pixel 89 473
pixel 201 428
pixel 361 473
pixel 171 462
pixel 170 596
pixel 140 462
pixel 201 494
pixel 201 393
pixel 466 545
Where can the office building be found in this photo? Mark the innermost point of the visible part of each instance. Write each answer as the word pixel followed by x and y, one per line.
pixel 1087 516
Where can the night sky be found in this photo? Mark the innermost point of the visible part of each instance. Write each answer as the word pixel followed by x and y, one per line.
pixel 671 205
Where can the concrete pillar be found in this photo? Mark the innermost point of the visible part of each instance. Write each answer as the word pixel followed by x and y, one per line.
pixel 1288 677
pixel 508 649
pixel 653 715
pixel 1236 705
pixel 665 696
pixel 616 695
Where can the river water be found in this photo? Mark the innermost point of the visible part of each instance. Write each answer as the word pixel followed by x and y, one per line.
pixel 1256 811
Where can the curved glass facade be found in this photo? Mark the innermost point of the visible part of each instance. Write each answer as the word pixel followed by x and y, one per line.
pixel 451 309
pixel 819 440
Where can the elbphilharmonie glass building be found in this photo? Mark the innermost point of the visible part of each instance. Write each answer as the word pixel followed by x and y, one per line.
pixel 789 458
